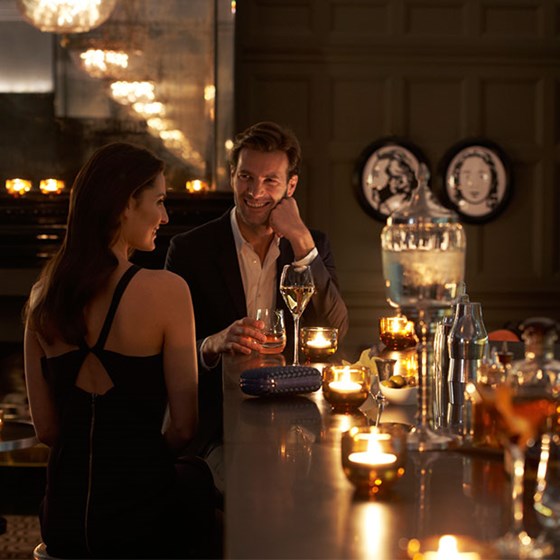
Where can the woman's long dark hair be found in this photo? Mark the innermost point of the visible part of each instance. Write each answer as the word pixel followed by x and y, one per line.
pixel 84 262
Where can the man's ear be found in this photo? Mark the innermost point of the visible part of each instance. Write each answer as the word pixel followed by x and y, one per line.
pixel 292 184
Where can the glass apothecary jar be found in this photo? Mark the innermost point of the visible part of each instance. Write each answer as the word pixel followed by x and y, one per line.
pixel 423 250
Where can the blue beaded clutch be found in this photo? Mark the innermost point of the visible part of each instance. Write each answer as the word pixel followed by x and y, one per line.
pixel 280 380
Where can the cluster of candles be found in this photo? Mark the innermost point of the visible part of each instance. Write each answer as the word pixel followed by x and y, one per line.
pixel 19 187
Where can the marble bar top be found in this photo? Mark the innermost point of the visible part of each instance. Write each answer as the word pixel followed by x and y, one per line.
pixel 286 494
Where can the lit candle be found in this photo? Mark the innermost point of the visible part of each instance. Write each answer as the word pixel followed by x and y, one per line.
pixel 51 186
pixel 18 187
pixel 447 550
pixel 374 456
pixel 345 385
pixel 196 186
pixel 319 341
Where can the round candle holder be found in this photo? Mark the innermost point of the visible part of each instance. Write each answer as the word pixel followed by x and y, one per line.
pixel 318 343
pixel 458 547
pixel 346 388
pixel 374 458
pixel 397 333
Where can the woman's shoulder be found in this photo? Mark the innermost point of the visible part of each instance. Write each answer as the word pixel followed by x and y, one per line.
pixel 163 282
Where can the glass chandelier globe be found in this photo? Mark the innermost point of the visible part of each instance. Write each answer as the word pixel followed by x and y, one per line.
pixel 66 16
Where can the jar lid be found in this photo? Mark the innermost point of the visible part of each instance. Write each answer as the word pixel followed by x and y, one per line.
pixel 423 207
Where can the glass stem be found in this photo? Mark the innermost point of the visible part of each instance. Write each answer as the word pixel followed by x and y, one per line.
pixel 296 340
pixel 423 415
pixel 517 478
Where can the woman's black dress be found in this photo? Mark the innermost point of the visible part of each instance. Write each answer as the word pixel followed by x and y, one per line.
pixel 112 488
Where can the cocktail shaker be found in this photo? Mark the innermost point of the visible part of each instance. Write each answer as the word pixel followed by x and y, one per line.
pixel 441 360
pixel 467 343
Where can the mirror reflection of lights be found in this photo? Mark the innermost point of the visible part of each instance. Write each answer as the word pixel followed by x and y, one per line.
pixel 151 109
pixel 132 92
pixel 100 62
pixel 209 93
pixel 228 144
pixel 158 124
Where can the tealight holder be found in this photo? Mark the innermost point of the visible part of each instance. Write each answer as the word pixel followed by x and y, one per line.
pixel 196 186
pixel 18 187
pixel 51 186
pixel 449 547
pixel 398 336
pixel 318 343
pixel 346 388
pixel 374 458
pixel 397 332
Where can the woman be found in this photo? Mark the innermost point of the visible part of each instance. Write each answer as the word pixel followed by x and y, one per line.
pixel 107 347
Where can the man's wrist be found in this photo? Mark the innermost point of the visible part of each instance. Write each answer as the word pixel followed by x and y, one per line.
pixel 308 258
pixel 211 360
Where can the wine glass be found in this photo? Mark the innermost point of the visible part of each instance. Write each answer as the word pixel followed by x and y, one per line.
pixel 296 287
pixel 520 408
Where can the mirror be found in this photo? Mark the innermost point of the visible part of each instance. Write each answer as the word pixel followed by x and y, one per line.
pixel 182 52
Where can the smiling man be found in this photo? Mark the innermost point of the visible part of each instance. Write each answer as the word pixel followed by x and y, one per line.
pixel 233 264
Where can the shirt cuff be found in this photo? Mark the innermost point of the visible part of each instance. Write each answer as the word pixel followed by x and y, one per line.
pixel 203 361
pixel 308 259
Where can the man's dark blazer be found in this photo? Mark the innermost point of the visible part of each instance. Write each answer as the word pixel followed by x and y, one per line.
pixel 206 258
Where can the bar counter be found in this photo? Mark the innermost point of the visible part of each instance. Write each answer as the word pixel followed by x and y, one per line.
pixel 287 496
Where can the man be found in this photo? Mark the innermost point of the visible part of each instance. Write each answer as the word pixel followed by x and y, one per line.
pixel 233 264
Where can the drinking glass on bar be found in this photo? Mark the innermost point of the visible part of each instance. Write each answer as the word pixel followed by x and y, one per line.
pixel 274 329
pixel 297 287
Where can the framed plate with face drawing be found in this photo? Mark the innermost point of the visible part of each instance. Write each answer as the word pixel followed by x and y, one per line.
pixel 386 174
pixel 476 179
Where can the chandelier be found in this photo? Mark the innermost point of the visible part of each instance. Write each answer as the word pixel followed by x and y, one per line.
pixel 66 16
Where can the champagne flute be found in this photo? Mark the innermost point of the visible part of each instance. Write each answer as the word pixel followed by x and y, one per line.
pixel 520 412
pixel 296 287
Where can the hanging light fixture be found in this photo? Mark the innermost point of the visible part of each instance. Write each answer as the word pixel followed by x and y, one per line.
pixel 66 16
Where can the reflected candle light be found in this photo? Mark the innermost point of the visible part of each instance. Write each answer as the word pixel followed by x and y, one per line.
pixel 18 187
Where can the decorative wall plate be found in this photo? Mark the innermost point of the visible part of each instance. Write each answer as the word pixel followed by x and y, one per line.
pixel 386 174
pixel 476 179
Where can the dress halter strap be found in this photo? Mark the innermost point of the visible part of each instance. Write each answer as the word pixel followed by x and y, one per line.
pixel 117 295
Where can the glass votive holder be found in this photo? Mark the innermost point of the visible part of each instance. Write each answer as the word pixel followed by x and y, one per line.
pixel 374 458
pixel 51 186
pixel 456 547
pixel 397 332
pixel 18 187
pixel 346 388
pixel 318 343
